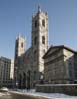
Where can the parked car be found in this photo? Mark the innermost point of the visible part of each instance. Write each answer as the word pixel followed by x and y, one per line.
pixel 4 89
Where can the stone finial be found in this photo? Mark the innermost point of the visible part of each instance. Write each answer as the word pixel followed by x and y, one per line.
pixel 19 35
pixel 39 8
pixel 32 15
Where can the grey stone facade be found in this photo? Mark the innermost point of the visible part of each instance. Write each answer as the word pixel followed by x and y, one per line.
pixel 75 67
pixel 29 64
pixel 59 65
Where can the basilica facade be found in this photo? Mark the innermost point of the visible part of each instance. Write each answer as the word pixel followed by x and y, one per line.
pixel 29 63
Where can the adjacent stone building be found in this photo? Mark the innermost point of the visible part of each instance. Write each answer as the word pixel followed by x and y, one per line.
pixel 29 64
pixel 6 72
pixel 75 67
pixel 60 65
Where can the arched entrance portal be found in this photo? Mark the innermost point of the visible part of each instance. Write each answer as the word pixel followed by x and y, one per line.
pixel 28 79
pixel 20 81
pixel 24 80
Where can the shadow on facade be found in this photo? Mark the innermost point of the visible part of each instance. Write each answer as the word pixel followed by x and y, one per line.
pixel 28 79
pixel 19 81
pixel 24 80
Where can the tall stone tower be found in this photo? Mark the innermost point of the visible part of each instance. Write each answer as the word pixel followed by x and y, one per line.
pixel 19 51
pixel 19 46
pixel 39 41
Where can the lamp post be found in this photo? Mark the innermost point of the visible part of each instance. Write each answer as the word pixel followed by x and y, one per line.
pixel 41 79
pixel 16 83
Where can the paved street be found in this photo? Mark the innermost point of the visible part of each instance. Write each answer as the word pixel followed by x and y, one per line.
pixel 18 96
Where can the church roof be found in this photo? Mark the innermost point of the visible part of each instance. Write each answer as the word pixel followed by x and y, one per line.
pixel 60 47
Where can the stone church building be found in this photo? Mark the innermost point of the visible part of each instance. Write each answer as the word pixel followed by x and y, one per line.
pixel 29 64
pixel 56 65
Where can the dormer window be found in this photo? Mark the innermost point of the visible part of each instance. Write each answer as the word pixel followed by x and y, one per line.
pixel 43 23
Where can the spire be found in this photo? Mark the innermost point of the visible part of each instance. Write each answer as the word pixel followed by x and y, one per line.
pixel 39 8
pixel 19 35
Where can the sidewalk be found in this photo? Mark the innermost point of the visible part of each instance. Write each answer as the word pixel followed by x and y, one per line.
pixel 27 96
pixel 38 95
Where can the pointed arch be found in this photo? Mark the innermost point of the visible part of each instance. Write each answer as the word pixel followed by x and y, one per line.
pixel 20 81
pixel 24 80
pixel 28 79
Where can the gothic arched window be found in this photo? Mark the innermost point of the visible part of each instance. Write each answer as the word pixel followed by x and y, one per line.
pixel 43 23
pixel 22 44
pixel 35 55
pixel 43 39
pixel 35 40
pixel 35 23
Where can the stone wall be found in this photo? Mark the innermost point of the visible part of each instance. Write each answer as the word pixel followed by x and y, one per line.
pixel 70 89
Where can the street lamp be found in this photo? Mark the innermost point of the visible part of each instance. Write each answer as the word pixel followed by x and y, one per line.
pixel 41 78
pixel 16 83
